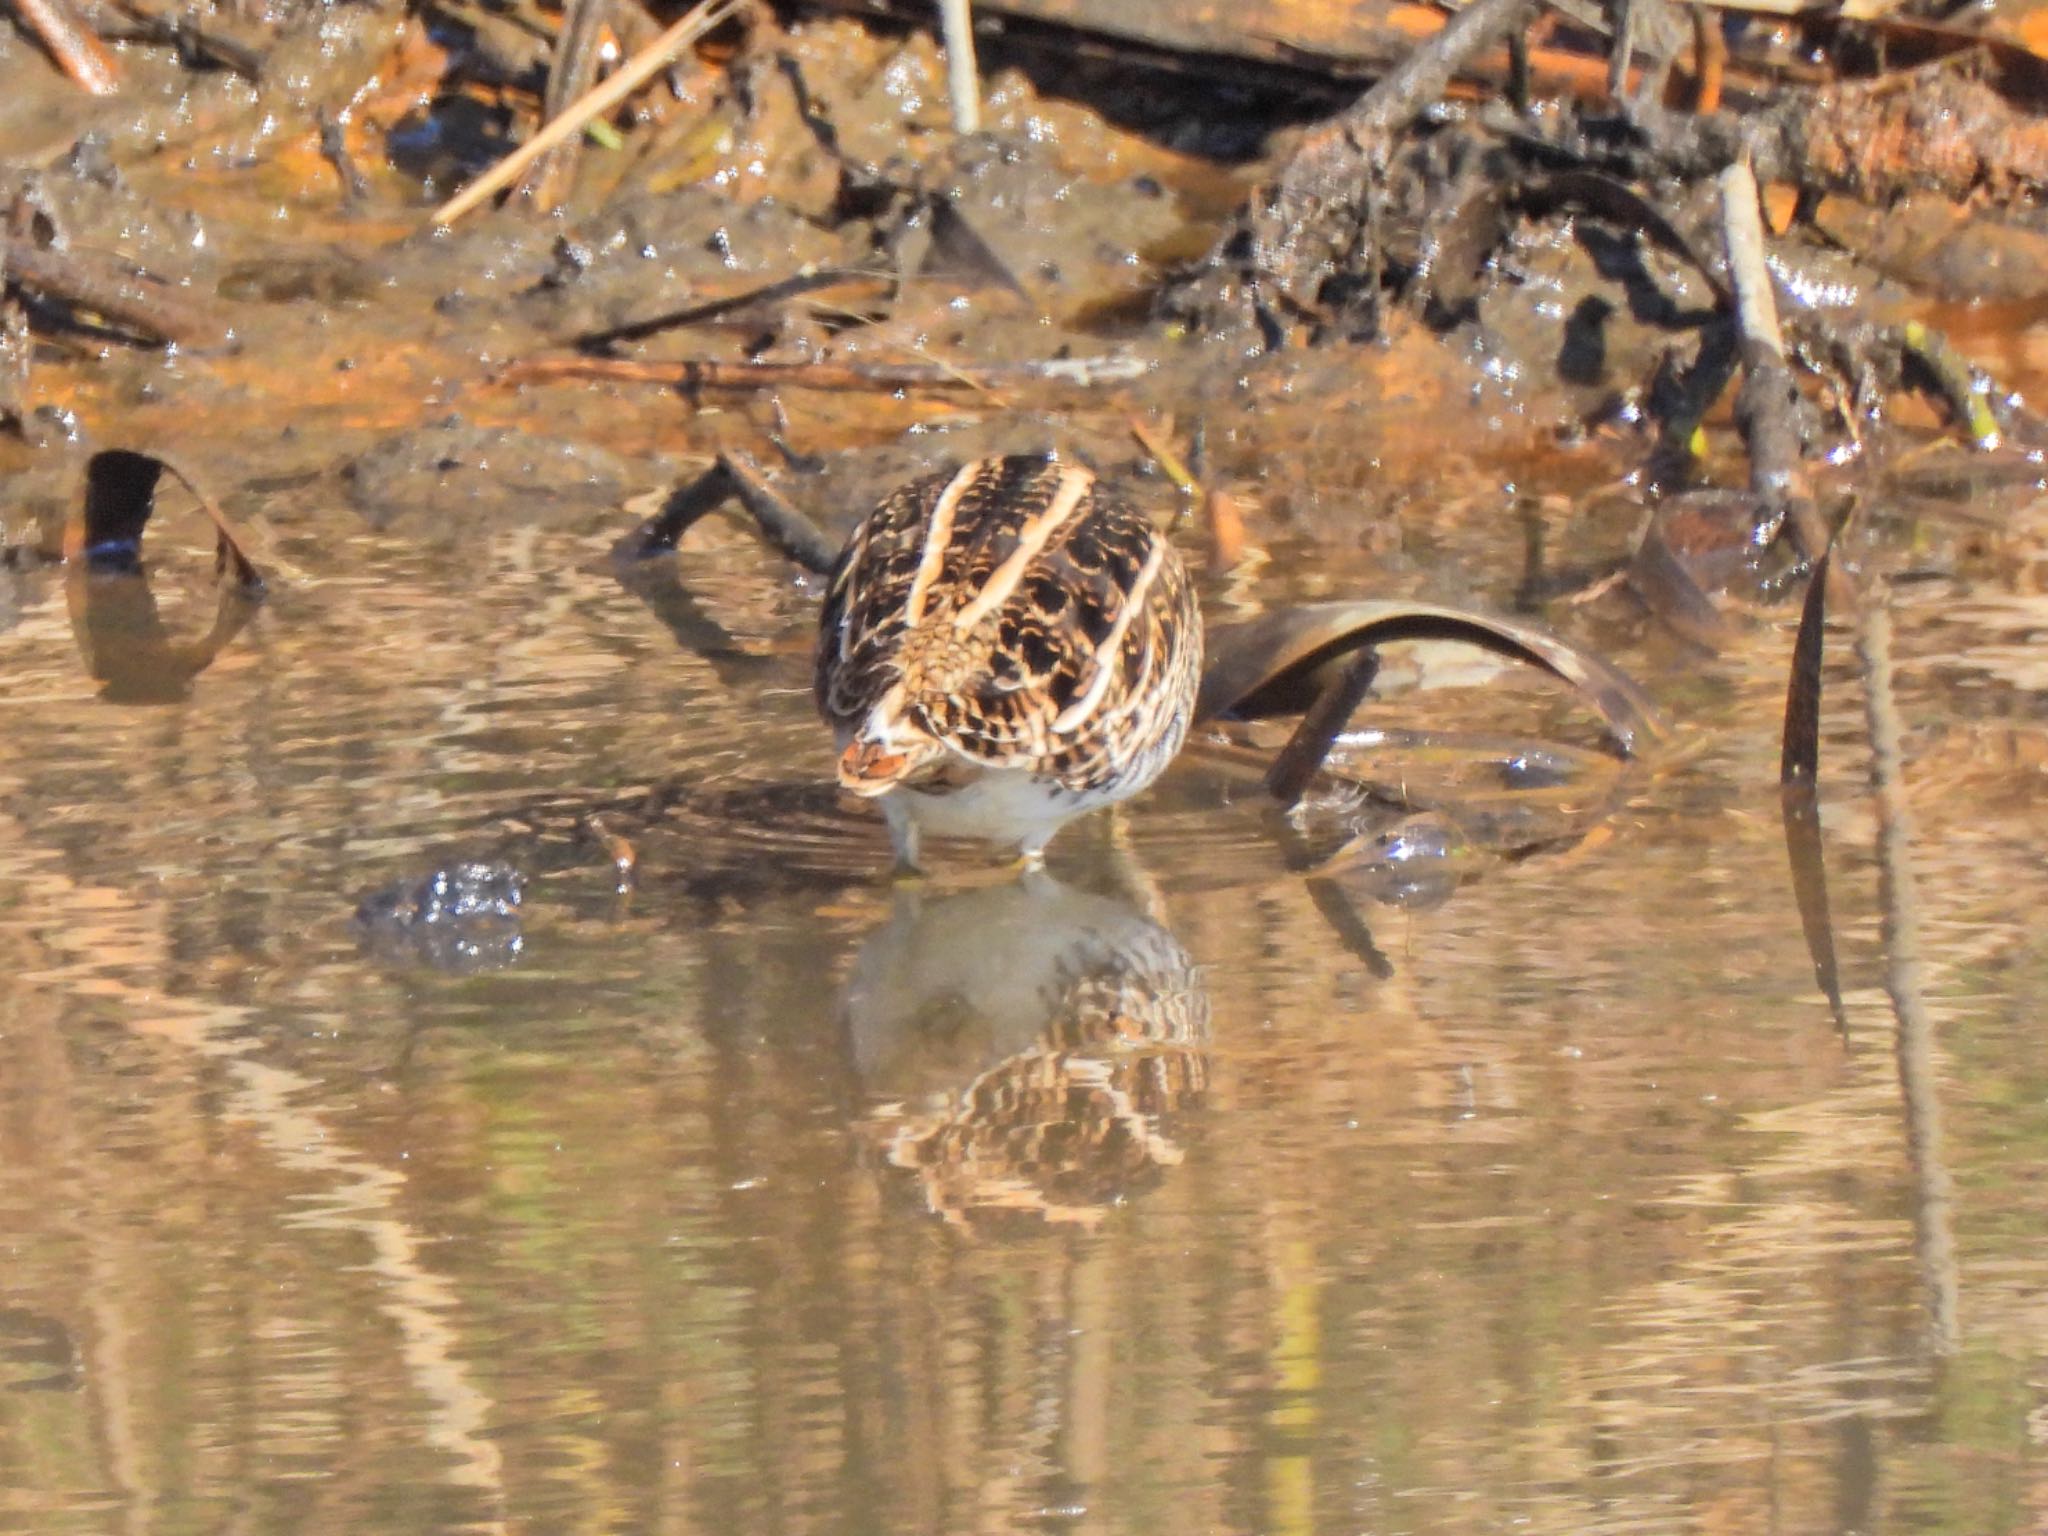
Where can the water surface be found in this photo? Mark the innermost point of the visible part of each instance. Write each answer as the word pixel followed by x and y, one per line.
pixel 1175 1191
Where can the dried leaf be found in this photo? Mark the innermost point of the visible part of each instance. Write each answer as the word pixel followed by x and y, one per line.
pixel 120 498
pixel 1275 664
pixel 1798 777
pixel 1799 761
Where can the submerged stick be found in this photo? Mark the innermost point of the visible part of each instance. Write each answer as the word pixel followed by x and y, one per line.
pixel 188 37
pixel 334 150
pixel 143 305
pixel 1905 980
pixel 1310 744
pixel 634 73
pixel 963 84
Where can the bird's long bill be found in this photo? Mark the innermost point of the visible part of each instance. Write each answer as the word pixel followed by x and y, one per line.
pixel 875 768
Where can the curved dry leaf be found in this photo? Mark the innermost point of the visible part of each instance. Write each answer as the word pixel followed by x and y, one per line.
pixel 1277 663
pixel 120 498
pixel 121 638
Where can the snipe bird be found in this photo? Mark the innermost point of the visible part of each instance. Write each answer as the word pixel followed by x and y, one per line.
pixel 1002 649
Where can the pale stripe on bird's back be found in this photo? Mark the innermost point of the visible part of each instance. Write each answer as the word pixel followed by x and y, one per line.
pixel 1070 496
pixel 1104 660
pixel 936 539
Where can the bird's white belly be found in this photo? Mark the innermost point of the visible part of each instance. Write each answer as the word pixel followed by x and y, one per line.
pixel 1007 807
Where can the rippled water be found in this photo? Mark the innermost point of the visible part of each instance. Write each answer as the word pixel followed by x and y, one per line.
pixel 1178 1190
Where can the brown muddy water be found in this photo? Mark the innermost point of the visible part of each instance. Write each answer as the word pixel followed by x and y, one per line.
pixel 1534 1187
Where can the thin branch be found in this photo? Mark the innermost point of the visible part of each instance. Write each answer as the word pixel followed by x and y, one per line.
pixel 634 73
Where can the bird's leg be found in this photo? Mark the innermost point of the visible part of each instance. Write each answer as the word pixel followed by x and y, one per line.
pixel 1030 855
pixel 903 836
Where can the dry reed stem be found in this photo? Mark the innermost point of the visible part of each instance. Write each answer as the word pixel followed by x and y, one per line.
pixel 72 43
pixel 963 84
pixel 634 73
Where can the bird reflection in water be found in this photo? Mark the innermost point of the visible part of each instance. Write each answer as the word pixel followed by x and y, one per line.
pixel 1021 1046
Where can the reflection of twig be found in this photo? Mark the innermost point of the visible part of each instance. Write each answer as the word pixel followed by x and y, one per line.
pixel 1905 980
pixel 114 1386
pixel 361 1194
pixel 361 1198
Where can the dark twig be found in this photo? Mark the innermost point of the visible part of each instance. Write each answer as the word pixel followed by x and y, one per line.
pixel 716 309
pixel 781 522
pixel 1298 761
pixel 334 149
pixel 1799 760
pixel 733 476
pixel 687 505
pixel 1798 776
